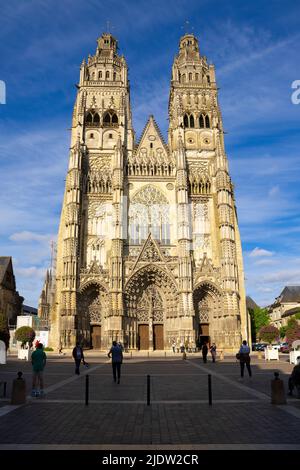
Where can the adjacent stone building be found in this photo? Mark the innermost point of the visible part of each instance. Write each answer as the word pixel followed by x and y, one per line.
pixel 10 300
pixel 286 305
pixel 148 247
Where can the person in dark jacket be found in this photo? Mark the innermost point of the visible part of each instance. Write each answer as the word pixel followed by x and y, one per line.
pixel 78 357
pixel 117 358
pixel 294 380
pixel 204 352
pixel 244 358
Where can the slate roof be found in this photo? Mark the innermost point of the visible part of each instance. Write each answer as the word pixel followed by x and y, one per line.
pixel 290 294
pixel 4 263
pixel 250 303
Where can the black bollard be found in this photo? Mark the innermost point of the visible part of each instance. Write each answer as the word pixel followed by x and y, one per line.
pixel 148 390
pixel 209 390
pixel 87 389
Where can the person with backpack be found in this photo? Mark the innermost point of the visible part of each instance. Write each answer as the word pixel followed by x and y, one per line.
pixel 117 358
pixel 244 357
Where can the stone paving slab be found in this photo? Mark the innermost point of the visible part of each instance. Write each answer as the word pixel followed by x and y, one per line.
pixel 157 424
pixel 179 414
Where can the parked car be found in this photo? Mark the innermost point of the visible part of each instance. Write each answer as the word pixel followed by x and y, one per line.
pixel 259 346
pixel 262 346
pixel 276 346
pixel 284 348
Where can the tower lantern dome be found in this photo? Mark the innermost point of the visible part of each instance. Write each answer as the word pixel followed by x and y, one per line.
pixel 188 42
pixel 107 43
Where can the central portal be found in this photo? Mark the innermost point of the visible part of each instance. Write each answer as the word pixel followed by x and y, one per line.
pixel 151 298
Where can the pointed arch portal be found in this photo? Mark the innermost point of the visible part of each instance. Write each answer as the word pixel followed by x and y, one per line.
pixel 150 297
pixel 207 306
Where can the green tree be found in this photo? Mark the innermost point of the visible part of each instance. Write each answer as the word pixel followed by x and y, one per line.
pixel 292 331
pixel 268 333
pixel 25 334
pixel 282 331
pixel 4 330
pixel 259 318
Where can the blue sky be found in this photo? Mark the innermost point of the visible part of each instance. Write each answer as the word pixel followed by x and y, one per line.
pixel 255 48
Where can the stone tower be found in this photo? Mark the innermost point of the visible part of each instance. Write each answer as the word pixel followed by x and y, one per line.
pixel 148 246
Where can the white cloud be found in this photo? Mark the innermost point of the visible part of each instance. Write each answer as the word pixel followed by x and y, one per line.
pixel 260 252
pixel 30 236
pixel 32 272
pixel 284 276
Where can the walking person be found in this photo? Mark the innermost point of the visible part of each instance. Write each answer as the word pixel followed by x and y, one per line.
pixel 244 358
pixel 294 380
pixel 38 361
pixel 78 357
pixel 174 346
pixel 117 358
pixel 213 351
pixel 204 352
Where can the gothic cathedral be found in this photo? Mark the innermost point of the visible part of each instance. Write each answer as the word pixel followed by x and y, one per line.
pixel 148 249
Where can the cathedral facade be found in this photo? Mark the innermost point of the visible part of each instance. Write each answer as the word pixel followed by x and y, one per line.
pixel 148 249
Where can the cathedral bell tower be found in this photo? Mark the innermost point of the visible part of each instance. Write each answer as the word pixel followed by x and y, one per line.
pixel 208 229
pixel 89 258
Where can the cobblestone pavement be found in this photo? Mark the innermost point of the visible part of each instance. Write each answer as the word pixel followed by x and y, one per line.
pixel 179 415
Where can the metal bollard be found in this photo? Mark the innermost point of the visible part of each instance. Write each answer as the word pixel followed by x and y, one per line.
pixel 87 389
pixel 165 354
pixel 209 390
pixel 277 391
pixel 148 390
pixel 18 394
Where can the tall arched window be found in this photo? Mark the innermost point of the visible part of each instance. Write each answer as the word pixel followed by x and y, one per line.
pixel 188 120
pixel 115 75
pixel 149 213
pixel 107 74
pixel 110 119
pixel 100 74
pixel 190 76
pixel 92 118
pixel 204 121
pixel 201 121
pixel 89 118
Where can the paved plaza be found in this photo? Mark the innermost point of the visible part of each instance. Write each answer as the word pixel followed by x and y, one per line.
pixel 179 416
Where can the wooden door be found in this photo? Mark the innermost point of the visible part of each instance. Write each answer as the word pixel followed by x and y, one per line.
pixel 158 337
pixel 96 337
pixel 204 329
pixel 143 336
